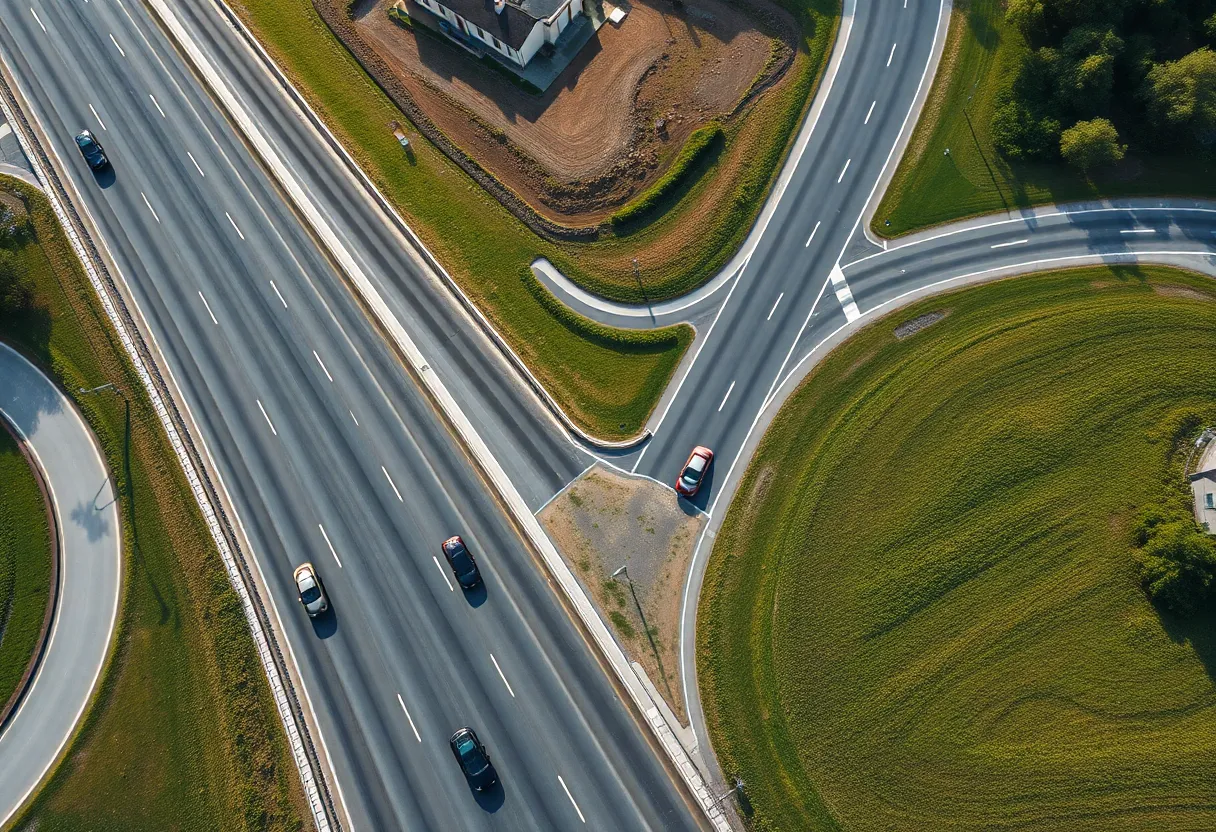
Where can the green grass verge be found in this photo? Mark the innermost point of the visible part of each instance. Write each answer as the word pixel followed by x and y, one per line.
pixel 182 733
pixel 922 610
pixel 929 187
pixel 699 143
pixel 25 565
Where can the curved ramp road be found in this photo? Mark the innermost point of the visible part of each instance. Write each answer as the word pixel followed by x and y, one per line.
pixel 331 453
pixel 90 571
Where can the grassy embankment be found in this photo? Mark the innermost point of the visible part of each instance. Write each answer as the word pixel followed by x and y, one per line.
pixel 930 187
pixel 607 380
pixel 25 564
pixel 182 733
pixel 922 610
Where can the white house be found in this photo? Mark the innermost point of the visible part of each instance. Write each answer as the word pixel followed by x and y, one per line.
pixel 515 29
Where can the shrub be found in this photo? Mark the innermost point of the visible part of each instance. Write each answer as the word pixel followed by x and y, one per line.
pixel 1177 560
pixel 699 143
pixel 1091 144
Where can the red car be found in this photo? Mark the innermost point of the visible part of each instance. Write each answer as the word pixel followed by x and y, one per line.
pixel 693 474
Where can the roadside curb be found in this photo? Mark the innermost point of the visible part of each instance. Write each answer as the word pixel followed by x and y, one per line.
pixel 448 408
pixel 40 477
pixel 184 446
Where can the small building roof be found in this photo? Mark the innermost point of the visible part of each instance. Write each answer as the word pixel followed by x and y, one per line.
pixel 513 24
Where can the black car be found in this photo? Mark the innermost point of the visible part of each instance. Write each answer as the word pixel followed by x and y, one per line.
pixel 92 151
pixel 462 563
pixel 473 759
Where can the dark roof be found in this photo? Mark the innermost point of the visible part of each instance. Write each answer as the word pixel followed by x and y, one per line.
pixel 513 24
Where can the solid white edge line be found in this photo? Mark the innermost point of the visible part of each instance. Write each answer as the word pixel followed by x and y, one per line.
pixel 727 396
pixel 870 111
pixel 774 309
pixel 572 803
pixel 99 121
pixel 847 162
pixel 393 484
pixel 196 165
pixel 234 226
pixel 322 363
pixel 150 208
pixel 157 106
pixel 332 551
pixel 39 19
pixel 116 46
pixel 444 573
pixel 209 312
pixel 501 675
pixel 807 244
pixel 280 294
pixel 413 727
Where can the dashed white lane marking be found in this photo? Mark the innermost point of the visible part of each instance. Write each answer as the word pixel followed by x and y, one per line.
pixel 774 309
pixel 807 244
pixel 847 162
pixel 444 573
pixel 234 226
pixel 116 46
pixel 279 294
pixel 99 121
pixel 727 396
pixel 393 484
pixel 209 312
pixel 157 106
pixel 892 55
pixel 1137 230
pixel 266 416
pixel 870 112
pixel 1010 243
pixel 150 208
pixel 572 803
pixel 410 718
pixel 322 363
pixel 501 676
pixel 196 167
pixel 39 19
pixel 844 295
pixel 352 416
pixel 324 535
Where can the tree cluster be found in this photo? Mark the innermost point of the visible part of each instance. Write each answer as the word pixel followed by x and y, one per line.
pixel 1176 559
pixel 1100 74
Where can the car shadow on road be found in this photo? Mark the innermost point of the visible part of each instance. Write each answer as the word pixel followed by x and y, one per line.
pixel 105 178
pixel 326 624
pixel 492 799
pixel 477 595
pixel 698 502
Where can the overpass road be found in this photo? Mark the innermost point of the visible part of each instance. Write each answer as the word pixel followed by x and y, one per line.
pixel 330 451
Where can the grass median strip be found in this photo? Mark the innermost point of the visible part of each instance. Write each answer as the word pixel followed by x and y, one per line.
pixel 182 733
pixel 933 186
pixel 922 609
pixel 25 565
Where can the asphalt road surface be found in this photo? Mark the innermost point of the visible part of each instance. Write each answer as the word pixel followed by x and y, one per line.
pixel 331 453
pixel 90 575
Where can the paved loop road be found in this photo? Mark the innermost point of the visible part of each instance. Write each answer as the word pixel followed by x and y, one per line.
pixel 90 572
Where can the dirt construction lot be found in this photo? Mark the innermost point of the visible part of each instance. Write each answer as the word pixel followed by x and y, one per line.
pixel 590 141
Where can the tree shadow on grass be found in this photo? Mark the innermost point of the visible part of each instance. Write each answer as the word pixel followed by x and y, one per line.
pixel 1197 630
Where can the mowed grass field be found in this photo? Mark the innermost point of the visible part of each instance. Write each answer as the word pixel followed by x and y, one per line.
pixel 921 612
pixel 25 564
pixel 182 733
pixel 982 54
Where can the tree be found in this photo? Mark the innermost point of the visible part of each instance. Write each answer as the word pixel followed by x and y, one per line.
pixel 1027 16
pixel 1177 565
pixel 1091 144
pixel 1181 95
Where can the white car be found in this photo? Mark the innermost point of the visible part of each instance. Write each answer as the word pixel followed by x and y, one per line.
pixel 311 590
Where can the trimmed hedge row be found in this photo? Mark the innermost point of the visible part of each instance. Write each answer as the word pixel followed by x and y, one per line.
pixel 702 140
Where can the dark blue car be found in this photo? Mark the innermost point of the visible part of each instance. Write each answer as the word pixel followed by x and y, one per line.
pixel 92 151
pixel 473 759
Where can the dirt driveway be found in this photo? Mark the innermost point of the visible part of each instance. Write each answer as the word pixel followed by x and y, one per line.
pixel 588 142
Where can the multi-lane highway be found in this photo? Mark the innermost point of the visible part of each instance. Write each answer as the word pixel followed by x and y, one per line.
pixel 330 451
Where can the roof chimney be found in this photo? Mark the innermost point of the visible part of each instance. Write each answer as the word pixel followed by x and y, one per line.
pixel 499 5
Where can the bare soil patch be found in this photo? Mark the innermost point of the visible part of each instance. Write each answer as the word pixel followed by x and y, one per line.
pixel 1174 291
pixel 606 520
pixel 591 141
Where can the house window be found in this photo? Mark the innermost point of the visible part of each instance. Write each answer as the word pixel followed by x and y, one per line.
pixel 1209 500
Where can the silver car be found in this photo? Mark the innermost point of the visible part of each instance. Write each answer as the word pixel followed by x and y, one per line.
pixel 311 590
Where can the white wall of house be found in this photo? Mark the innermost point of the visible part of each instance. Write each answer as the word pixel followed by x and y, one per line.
pixel 560 19
pixel 532 43
pixel 475 31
